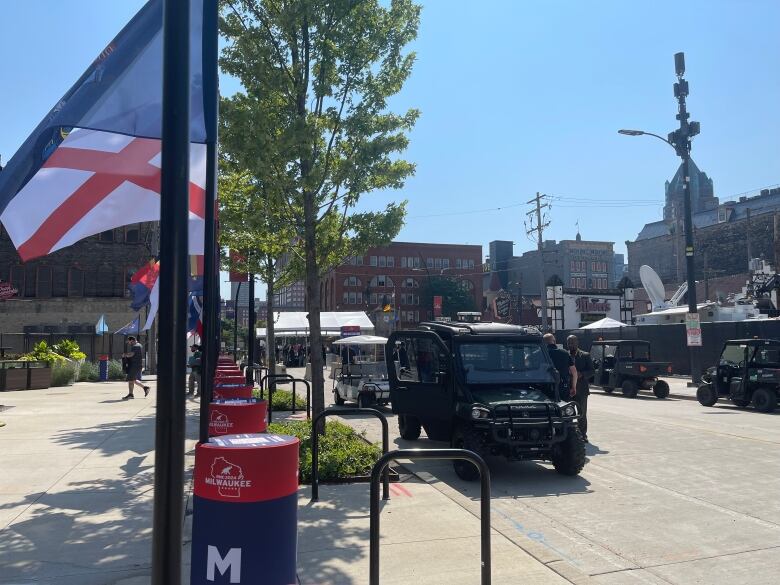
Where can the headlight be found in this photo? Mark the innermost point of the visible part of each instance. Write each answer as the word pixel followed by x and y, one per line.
pixel 569 410
pixel 479 413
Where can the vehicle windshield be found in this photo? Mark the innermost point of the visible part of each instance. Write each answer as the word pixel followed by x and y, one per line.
pixel 504 362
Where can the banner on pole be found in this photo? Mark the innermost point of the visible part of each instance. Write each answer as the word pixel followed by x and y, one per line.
pixel 437 304
pixel 693 329
pixel 236 276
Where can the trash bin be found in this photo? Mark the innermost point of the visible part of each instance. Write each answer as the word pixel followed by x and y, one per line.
pixel 245 510
pixel 228 391
pixel 103 368
pixel 231 417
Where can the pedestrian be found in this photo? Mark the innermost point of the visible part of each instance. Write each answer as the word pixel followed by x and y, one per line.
pixel 585 372
pixel 195 367
pixel 135 357
pixel 564 363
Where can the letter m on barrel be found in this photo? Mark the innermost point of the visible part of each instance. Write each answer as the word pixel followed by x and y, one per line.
pixel 230 562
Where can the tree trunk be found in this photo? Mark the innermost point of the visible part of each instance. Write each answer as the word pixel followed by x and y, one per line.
pixel 270 337
pixel 313 297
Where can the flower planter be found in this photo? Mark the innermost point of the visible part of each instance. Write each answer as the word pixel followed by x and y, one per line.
pixel 21 375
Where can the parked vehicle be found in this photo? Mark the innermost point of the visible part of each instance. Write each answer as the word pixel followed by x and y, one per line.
pixel 362 378
pixel 626 364
pixel 748 372
pixel 487 387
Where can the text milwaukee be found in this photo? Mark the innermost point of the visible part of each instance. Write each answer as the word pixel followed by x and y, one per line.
pixel 586 305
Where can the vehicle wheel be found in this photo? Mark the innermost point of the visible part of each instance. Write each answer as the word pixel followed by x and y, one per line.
pixel 465 470
pixel 337 398
pixel 365 401
pixel 608 389
pixel 741 403
pixel 629 389
pixel 764 400
pixel 409 427
pixel 706 395
pixel 568 458
pixel 661 389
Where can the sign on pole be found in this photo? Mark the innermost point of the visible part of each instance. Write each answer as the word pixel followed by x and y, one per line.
pixel 437 304
pixel 693 329
pixel 350 330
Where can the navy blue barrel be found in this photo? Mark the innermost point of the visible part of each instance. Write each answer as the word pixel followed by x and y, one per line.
pixel 245 512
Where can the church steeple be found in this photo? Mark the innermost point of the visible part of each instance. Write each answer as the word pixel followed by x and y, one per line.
pixel 702 193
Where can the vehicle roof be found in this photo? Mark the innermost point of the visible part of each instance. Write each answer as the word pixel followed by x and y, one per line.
pixel 616 341
pixel 481 328
pixel 762 341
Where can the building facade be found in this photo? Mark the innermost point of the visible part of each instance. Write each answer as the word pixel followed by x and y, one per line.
pixel 399 271
pixel 702 193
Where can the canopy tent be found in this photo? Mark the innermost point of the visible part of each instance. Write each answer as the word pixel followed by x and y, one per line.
pixel 295 323
pixel 605 323
pixel 361 340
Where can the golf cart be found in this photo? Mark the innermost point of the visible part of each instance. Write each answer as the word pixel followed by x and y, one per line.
pixel 361 377
pixel 748 372
pixel 626 364
pixel 487 387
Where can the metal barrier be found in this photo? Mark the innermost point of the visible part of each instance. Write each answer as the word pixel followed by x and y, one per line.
pixel 286 378
pixel 413 454
pixel 315 441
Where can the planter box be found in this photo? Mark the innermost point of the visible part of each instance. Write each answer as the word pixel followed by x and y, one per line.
pixel 13 379
pixel 20 375
pixel 39 378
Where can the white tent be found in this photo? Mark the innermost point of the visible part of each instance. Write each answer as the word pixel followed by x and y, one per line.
pixel 295 323
pixel 361 340
pixel 605 323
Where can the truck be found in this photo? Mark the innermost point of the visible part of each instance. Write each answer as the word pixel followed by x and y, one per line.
pixel 626 364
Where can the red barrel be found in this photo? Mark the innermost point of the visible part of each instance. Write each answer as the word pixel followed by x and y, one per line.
pixel 245 510
pixel 228 391
pixel 230 380
pixel 229 417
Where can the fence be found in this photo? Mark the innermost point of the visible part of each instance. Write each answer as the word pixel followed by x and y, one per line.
pixel 668 342
pixel 91 344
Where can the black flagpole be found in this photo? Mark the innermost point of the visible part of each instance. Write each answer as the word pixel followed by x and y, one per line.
pixel 171 377
pixel 210 256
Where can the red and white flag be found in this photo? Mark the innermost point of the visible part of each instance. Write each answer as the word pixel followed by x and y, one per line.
pixel 96 181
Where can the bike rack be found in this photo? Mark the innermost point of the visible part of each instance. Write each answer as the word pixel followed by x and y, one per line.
pixel 257 368
pixel 286 378
pixel 315 441
pixel 413 454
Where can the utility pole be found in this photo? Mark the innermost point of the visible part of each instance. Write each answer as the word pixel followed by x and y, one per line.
pixel 541 223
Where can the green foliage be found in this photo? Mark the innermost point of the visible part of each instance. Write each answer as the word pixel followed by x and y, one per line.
pixel 88 372
pixel 69 349
pixel 283 400
pixel 343 452
pixel 41 352
pixel 455 297
pixel 64 373
pixel 115 371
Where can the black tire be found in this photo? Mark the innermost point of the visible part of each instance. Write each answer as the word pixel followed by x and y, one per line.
pixel 739 402
pixel 629 388
pixel 568 457
pixel 608 389
pixel 465 470
pixel 409 427
pixel 365 400
pixel 337 399
pixel 661 389
pixel 764 400
pixel 706 395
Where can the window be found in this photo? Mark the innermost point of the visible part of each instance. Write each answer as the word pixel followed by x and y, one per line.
pixel 352 298
pixel 390 262
pixel 30 280
pixel 132 234
pixel 458 263
pixel 373 261
pixel 573 282
pixel 573 266
pixel 374 299
pixel 382 262
pixel 416 261
pixel 437 262
pixel 345 297
pixel 17 279
pixel 467 285
pixel 360 298
pixel 75 282
pixel 445 262
pixel 403 261
pixel 352 281
pixel 418 361
pixel 44 282
pixel 471 263
pixel 429 262
pixel 59 287
pixel 107 236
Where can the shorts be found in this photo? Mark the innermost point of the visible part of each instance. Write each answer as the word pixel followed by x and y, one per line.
pixel 133 374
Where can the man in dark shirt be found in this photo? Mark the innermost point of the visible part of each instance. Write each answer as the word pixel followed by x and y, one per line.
pixel 585 372
pixel 135 357
pixel 564 363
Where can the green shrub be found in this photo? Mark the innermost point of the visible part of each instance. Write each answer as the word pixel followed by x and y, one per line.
pixel 64 373
pixel 89 372
pixel 69 349
pixel 115 371
pixel 343 452
pixel 41 352
pixel 283 400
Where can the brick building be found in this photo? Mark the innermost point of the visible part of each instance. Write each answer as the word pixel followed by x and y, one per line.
pixel 67 291
pixel 369 281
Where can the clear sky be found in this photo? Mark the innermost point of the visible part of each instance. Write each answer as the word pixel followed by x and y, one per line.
pixel 516 97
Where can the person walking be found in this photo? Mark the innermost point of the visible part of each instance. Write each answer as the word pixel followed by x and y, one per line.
pixel 135 362
pixel 195 365
pixel 564 363
pixel 585 372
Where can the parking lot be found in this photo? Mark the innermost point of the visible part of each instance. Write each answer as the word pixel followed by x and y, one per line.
pixel 673 492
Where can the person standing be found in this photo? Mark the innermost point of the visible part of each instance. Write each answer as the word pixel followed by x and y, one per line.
pixel 195 364
pixel 564 363
pixel 585 372
pixel 135 362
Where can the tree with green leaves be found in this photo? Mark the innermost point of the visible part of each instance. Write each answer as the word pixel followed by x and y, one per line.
pixel 455 296
pixel 312 123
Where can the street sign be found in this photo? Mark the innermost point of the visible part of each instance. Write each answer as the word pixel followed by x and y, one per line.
pixel 693 329
pixel 437 304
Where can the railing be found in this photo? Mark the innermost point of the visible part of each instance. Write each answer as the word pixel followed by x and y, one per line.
pixel 315 441
pixel 286 378
pixel 381 467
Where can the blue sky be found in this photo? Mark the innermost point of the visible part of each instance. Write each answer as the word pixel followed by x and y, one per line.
pixel 516 97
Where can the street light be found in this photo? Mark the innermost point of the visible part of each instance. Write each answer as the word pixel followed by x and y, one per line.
pixel 680 141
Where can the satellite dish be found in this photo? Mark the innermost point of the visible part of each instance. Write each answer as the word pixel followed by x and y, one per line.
pixel 653 286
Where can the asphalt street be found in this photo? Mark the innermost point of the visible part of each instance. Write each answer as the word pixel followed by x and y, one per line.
pixel 673 492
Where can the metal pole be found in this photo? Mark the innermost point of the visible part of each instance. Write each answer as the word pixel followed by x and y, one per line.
pixel 250 335
pixel 210 256
pixel 690 267
pixel 235 323
pixel 171 378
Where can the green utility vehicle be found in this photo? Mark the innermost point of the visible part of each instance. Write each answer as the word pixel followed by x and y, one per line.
pixel 487 387
pixel 748 372
pixel 626 364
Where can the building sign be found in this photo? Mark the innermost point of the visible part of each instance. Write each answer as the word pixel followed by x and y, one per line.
pixel 437 304
pixel 589 305
pixel 503 305
pixel 7 291
pixel 350 330
pixel 693 329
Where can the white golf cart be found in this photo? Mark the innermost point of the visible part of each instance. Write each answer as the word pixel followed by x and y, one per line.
pixel 361 376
